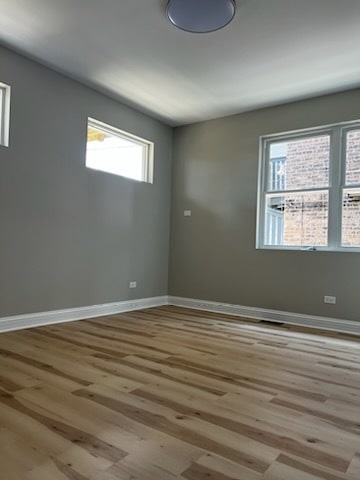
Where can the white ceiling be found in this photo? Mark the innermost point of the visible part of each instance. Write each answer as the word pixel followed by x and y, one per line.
pixel 273 52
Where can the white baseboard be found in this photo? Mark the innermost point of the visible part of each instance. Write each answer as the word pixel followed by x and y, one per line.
pixel 313 321
pixel 19 322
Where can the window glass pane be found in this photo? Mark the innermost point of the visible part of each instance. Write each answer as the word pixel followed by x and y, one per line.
pixel 1 112
pixel 297 219
pixel 4 114
pixel 299 164
pixel 115 154
pixel 351 218
pixel 352 157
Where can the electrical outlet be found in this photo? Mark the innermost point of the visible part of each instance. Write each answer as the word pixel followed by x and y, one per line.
pixel 132 284
pixel 329 299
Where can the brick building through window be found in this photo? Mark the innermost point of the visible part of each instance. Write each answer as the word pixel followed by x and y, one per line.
pixel 299 180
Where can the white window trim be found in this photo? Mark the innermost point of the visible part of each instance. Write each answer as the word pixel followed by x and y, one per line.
pixel 5 91
pixel 337 164
pixel 148 152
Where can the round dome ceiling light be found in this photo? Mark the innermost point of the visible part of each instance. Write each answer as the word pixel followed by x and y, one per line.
pixel 200 16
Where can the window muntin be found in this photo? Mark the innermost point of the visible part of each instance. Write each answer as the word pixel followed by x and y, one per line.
pixel 117 152
pixel 309 189
pixel 4 114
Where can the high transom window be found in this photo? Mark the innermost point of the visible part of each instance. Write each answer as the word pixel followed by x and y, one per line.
pixel 4 114
pixel 117 152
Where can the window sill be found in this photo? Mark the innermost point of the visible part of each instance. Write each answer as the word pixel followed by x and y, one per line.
pixel 308 250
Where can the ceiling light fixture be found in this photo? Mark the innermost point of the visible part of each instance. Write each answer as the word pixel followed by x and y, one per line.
pixel 200 16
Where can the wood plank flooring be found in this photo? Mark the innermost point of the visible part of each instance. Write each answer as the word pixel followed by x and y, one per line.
pixel 171 393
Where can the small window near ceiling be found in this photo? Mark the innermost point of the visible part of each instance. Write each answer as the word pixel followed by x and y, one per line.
pixel 117 152
pixel 4 114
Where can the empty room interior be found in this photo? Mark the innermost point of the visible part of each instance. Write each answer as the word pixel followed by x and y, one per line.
pixel 180 240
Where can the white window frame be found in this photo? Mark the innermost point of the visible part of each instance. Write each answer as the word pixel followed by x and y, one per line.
pixel 148 148
pixel 337 166
pixel 4 114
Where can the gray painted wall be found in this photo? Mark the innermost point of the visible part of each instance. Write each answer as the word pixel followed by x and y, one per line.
pixel 71 236
pixel 213 255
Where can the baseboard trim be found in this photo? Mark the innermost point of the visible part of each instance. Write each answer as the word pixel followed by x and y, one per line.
pixel 31 320
pixel 312 321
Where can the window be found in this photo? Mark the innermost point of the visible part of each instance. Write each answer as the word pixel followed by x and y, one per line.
pixel 4 114
pixel 113 151
pixel 309 189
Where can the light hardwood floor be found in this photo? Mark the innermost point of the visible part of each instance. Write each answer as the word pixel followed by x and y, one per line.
pixel 170 393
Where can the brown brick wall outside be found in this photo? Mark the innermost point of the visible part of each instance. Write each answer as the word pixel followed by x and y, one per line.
pixel 351 212
pixel 307 163
pixel 305 220
pixel 353 158
pixel 351 222
pixel 305 215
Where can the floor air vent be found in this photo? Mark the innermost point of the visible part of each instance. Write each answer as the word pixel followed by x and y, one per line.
pixel 270 322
